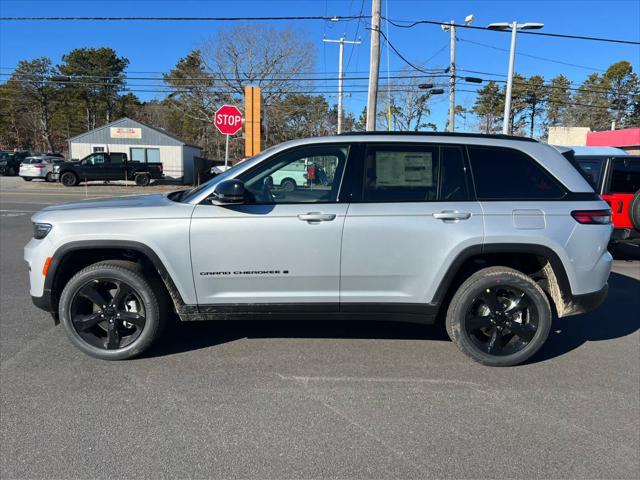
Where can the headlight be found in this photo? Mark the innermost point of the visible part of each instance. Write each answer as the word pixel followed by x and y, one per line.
pixel 56 168
pixel 41 230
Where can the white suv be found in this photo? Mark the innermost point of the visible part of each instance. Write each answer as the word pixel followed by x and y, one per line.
pixel 493 234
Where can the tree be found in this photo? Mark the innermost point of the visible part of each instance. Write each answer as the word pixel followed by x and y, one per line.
pixel 38 93
pixel 408 103
pixel 95 76
pixel 489 107
pixel 558 101
pixel 260 56
pixel 622 83
pixel 591 104
pixel 535 96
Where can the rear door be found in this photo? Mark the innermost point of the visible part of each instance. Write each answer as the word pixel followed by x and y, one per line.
pixel 411 214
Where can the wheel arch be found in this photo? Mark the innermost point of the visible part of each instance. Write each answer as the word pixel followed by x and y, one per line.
pixel 537 261
pixel 73 256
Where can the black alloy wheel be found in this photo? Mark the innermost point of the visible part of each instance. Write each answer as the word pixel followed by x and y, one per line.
pixel 114 309
pixel 142 180
pixel 499 317
pixel 501 320
pixel 108 313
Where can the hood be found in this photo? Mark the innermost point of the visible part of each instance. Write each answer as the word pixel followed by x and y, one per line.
pixel 131 201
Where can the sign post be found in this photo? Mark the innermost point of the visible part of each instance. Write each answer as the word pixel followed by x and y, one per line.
pixel 228 121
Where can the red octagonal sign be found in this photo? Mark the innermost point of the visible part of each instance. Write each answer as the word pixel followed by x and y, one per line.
pixel 228 119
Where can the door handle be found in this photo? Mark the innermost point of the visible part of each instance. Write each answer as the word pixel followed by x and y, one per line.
pixel 316 217
pixel 451 215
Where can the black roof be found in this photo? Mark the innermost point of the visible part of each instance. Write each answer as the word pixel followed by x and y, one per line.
pixel 445 134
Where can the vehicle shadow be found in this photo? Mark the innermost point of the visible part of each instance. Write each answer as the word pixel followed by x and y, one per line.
pixel 616 317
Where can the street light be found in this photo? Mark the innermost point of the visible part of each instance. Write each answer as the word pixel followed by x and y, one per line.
pixel 515 26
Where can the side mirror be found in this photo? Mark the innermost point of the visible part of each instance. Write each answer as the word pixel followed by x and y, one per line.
pixel 228 192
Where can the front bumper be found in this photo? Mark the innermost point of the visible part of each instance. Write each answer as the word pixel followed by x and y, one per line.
pixel 55 176
pixel 45 302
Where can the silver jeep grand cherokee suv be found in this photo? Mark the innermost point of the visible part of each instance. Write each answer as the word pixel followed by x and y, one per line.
pixel 495 234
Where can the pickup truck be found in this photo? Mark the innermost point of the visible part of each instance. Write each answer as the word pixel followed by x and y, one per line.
pixel 106 166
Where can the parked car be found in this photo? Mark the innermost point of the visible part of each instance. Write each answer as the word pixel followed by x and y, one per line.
pixel 615 175
pixel 39 167
pixel 10 161
pixel 107 166
pixel 494 234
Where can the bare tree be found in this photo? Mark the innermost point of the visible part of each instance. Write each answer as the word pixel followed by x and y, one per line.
pixel 262 56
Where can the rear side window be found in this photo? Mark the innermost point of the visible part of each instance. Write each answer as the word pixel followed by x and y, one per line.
pixel 508 174
pixel 625 175
pixel 592 169
pixel 414 173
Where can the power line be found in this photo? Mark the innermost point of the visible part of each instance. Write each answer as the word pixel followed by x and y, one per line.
pixel 593 69
pixel 524 32
pixel 185 19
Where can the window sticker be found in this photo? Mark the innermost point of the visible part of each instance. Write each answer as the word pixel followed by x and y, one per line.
pixel 404 169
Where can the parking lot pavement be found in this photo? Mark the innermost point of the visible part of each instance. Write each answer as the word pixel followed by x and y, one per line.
pixel 312 399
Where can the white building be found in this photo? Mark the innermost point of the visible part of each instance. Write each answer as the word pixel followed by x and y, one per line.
pixel 140 142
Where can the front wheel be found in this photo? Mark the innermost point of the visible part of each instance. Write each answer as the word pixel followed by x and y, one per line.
pixel 48 178
pixel 499 317
pixel 69 179
pixel 288 185
pixel 110 311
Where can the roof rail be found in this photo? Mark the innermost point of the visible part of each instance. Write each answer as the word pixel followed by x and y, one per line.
pixel 445 134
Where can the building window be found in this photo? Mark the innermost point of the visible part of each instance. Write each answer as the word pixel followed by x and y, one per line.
pixel 145 155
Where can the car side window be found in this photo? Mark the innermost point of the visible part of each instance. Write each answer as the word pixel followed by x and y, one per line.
pixel 509 174
pixel 304 175
pixel 625 175
pixel 95 159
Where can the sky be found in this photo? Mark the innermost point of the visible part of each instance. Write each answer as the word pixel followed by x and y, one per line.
pixel 157 46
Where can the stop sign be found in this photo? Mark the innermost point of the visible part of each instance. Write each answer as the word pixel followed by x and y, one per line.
pixel 228 119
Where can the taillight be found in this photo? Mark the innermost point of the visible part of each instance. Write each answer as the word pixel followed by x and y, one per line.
pixel 592 217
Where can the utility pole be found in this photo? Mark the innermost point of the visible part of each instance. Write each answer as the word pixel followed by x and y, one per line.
pixel 342 41
pixel 374 65
pixel 452 70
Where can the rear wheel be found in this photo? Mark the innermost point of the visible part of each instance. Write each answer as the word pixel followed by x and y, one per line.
pixel 143 179
pixel 111 311
pixel 499 317
pixel 69 179
pixel 49 177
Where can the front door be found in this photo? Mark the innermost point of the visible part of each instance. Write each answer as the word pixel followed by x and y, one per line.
pixel 411 215
pixel 282 246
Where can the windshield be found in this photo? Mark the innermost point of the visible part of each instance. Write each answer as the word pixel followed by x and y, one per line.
pixel 6 155
pixel 188 195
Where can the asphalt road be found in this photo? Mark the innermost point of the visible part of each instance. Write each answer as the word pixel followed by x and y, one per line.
pixel 310 399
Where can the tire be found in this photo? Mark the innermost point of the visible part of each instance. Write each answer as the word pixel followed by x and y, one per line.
pixel 69 179
pixel 100 330
pixel 288 184
pixel 142 179
pixel 488 335
pixel 634 211
pixel 48 178
pixel 27 179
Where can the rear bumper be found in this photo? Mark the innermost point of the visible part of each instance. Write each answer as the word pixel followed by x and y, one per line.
pixel 32 173
pixel 630 235
pixel 578 304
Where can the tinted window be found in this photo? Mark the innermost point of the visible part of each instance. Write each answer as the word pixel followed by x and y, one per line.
pixel 95 159
pixel 307 175
pixel 592 168
pixel 625 175
pixel 414 173
pixel 453 186
pixel 507 174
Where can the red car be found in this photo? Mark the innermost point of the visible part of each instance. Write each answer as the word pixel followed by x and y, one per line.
pixel 616 177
